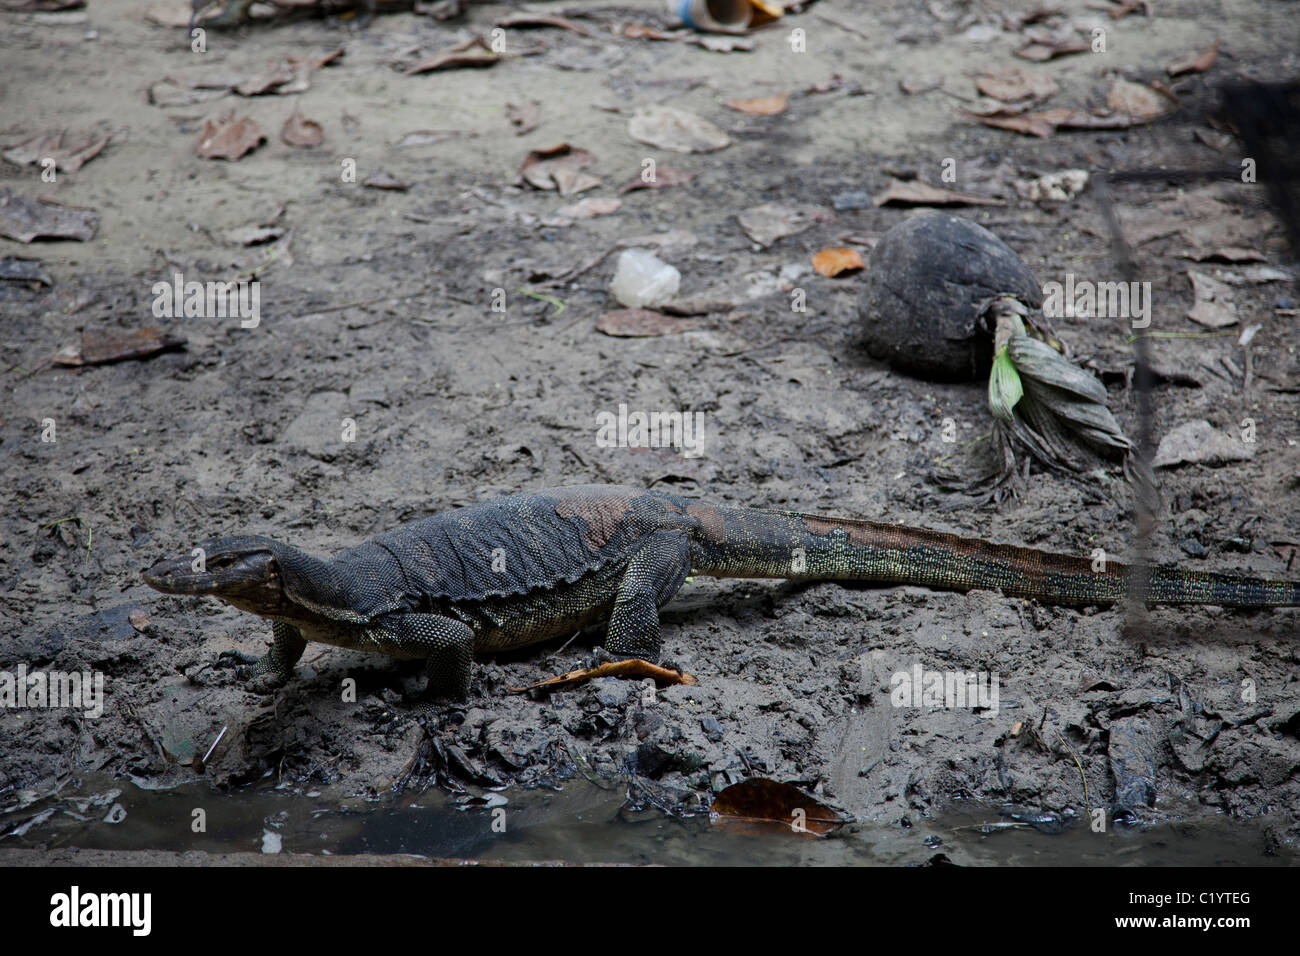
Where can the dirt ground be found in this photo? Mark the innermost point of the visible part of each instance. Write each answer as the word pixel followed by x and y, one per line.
pixel 377 307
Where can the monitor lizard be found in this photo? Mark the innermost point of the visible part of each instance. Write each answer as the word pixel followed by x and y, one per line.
pixel 520 569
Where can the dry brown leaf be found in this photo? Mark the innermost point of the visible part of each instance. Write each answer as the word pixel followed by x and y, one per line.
pixel 1031 124
pixel 229 138
pixel 664 176
pixel 542 20
pixel 1016 83
pixel 382 180
pixel 634 669
pixel 70 151
pixel 677 130
pixel 1228 254
pixel 833 262
pixel 300 132
pixel 525 116
pixel 101 347
pixel 761 804
pixel 914 85
pixel 1042 51
pixel 253 235
pixel 589 208
pixel 473 52
pixel 642 323
pixel 559 168
pixel 639 31
pixel 1126 7
pixel 763 106
pixel 770 221
pixel 916 193
pixel 1197 62
pixel 1141 103
pixel 1213 139
pixel 1213 306
pixel 28 219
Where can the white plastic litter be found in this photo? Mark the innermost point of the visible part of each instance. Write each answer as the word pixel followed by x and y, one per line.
pixel 642 280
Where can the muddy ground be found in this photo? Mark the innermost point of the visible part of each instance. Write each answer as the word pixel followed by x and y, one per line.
pixel 378 308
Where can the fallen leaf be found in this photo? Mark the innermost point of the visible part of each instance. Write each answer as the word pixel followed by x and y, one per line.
pixel 1142 103
pixel 639 31
pixel 1213 306
pixel 759 802
pixel 917 193
pixel 1125 7
pixel 525 116
pixel 101 347
pixel 635 669
pixel 1228 254
pixel 662 178
pixel 18 269
pixel 764 106
pixel 427 137
pixel 1199 443
pixel 300 132
pixel 559 168
pixel 473 52
pixel 69 151
pixel 1213 139
pixel 542 20
pixel 770 221
pixel 833 262
pixel 229 138
pixel 1196 63
pixel 589 208
pixel 913 85
pixel 275 75
pixel 383 180
pixel 1042 51
pixel 642 323
pixel 697 306
pixel 676 130
pixel 253 235
pixel 1016 83
pixel 827 86
pixel 28 219
pixel 1030 124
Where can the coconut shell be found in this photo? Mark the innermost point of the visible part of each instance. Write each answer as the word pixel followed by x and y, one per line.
pixel 926 281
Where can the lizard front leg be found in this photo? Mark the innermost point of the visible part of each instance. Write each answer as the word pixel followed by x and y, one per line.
pixel 447 645
pixel 274 668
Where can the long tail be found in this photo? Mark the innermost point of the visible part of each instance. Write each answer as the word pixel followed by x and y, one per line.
pixel 743 543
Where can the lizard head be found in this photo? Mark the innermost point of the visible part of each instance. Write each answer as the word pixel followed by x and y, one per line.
pixel 241 571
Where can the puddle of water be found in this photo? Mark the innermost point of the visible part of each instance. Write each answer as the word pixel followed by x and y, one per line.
pixel 583 823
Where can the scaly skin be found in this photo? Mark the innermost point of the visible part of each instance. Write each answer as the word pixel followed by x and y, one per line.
pixel 521 569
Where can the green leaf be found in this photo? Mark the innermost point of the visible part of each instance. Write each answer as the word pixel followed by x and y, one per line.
pixel 1005 388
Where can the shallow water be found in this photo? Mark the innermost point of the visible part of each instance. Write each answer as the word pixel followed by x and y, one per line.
pixel 585 823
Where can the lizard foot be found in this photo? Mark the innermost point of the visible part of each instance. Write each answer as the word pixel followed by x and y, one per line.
pixel 260 675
